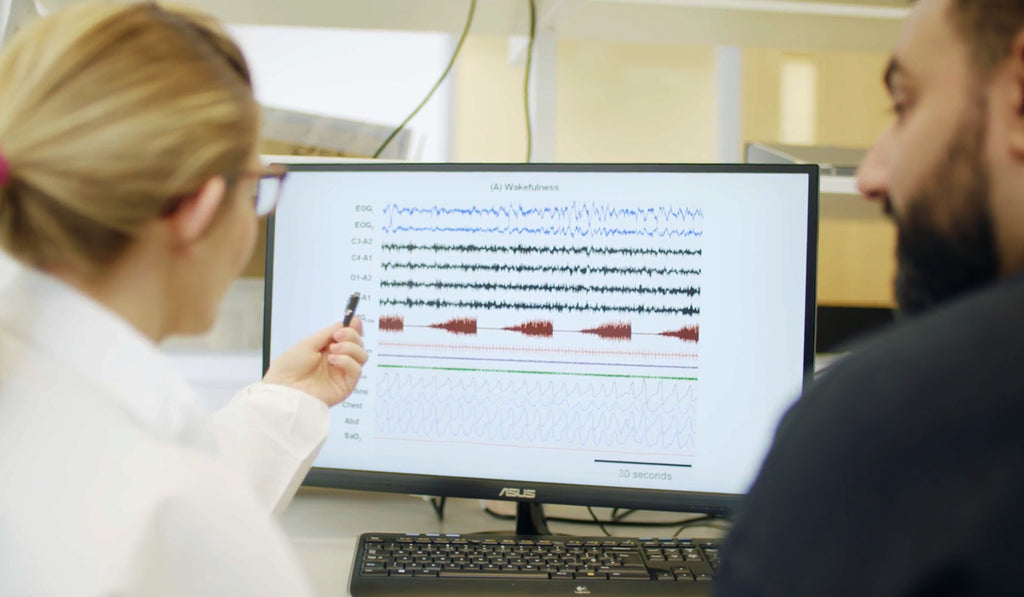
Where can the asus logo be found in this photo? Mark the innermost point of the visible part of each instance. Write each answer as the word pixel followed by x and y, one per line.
pixel 515 492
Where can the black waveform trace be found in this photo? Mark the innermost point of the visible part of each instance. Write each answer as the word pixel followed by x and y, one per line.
pixel 636 416
pixel 549 307
pixel 540 250
pixel 689 291
pixel 571 270
pixel 574 220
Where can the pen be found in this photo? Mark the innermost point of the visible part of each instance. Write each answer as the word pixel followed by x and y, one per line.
pixel 350 309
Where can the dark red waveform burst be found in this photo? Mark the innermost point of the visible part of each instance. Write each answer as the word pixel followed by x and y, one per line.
pixel 690 333
pixel 391 323
pixel 465 326
pixel 541 328
pixel 619 330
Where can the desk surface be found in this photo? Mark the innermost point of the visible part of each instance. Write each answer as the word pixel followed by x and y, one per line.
pixel 323 525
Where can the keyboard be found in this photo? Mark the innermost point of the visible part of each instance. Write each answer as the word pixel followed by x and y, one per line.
pixel 415 565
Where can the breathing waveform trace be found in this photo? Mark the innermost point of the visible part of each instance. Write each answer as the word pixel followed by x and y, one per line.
pixel 634 416
pixel 689 291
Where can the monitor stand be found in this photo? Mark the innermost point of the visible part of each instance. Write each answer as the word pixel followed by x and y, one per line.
pixel 530 519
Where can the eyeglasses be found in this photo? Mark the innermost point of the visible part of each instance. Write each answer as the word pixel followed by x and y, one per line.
pixel 267 191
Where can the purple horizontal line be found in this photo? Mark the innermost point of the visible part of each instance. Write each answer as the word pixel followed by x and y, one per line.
pixel 406 356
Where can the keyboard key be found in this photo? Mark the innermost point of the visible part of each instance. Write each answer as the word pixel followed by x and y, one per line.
pixel 629 575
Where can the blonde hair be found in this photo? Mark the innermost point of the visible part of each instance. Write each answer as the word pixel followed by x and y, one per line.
pixel 108 113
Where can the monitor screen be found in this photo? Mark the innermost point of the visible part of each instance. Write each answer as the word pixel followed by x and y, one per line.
pixel 605 335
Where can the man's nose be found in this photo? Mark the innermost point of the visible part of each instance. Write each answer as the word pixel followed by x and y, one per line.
pixel 873 172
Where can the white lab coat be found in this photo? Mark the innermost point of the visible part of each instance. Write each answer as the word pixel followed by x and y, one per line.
pixel 113 478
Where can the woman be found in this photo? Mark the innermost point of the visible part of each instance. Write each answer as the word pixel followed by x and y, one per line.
pixel 128 192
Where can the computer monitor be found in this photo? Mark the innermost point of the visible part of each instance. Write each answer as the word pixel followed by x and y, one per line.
pixel 600 334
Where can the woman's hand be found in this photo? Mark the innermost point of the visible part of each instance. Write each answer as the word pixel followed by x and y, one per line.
pixel 326 365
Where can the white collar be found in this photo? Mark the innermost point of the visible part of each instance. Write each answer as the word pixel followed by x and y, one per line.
pixel 83 335
pixel 8 268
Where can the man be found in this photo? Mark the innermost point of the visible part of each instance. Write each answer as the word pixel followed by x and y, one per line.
pixel 901 471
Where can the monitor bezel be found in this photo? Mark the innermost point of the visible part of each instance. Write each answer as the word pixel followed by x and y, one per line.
pixel 553 493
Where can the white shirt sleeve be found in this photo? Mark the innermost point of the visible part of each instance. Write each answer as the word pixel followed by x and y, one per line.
pixel 271 434
pixel 209 541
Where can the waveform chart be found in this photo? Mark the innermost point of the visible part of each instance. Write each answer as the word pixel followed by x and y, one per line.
pixel 640 417
pixel 571 279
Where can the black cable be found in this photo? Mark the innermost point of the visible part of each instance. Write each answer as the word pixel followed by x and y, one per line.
pixel 597 520
pixel 617 516
pixel 526 80
pixel 438 504
pixel 451 63
pixel 698 522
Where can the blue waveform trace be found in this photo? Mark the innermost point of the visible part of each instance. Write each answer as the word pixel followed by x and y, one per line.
pixel 634 416
pixel 573 221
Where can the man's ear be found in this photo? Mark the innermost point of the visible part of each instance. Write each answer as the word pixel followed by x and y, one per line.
pixel 193 216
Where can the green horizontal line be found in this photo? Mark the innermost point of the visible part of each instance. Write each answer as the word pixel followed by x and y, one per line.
pixel 465 369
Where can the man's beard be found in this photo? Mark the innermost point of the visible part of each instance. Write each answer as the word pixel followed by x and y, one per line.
pixel 935 264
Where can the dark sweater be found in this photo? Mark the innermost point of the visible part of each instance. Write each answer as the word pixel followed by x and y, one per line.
pixel 901 470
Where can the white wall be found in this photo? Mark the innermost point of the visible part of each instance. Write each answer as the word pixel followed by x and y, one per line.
pixel 375 76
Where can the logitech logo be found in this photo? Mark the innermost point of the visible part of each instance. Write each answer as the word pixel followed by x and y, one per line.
pixel 515 492
pixel 581 590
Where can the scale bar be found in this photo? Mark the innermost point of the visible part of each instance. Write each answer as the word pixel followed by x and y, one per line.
pixel 644 463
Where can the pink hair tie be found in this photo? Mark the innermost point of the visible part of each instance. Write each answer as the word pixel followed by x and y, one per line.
pixel 5 170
